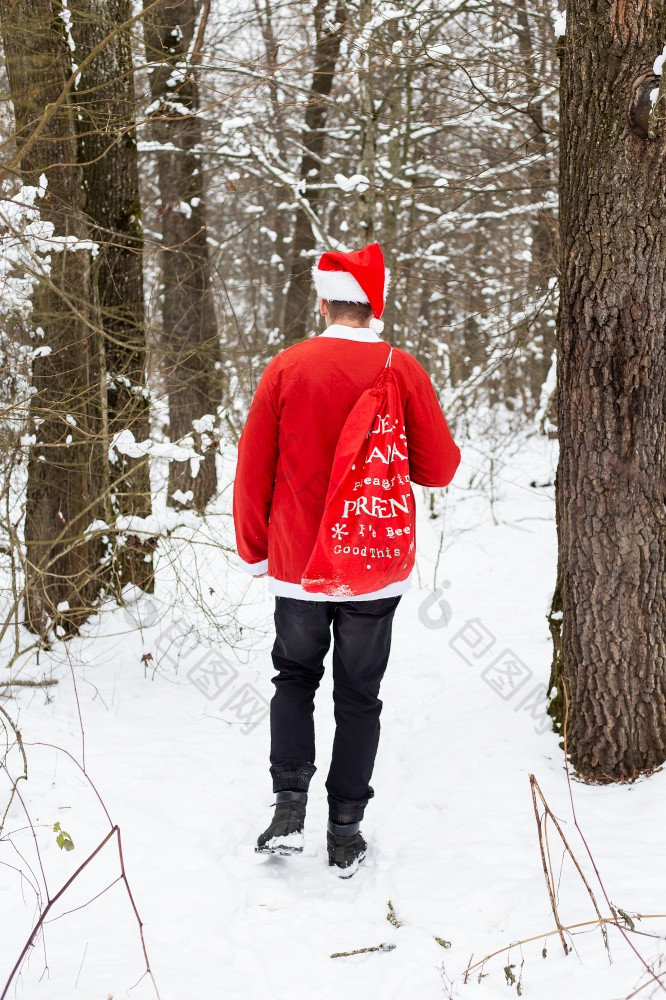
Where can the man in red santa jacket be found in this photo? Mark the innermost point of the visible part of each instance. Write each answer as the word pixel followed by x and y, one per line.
pixel 285 456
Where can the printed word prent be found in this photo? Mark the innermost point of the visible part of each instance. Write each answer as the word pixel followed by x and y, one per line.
pixel 378 506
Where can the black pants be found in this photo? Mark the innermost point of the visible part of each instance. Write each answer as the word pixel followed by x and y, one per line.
pixel 361 647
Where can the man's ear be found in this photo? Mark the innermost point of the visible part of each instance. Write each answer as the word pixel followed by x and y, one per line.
pixel 323 308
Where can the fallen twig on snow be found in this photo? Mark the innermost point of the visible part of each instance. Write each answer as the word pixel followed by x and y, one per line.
pixel 358 951
pixel 393 919
pixel 44 682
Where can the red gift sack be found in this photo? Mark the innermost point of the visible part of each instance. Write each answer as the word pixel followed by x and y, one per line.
pixel 366 535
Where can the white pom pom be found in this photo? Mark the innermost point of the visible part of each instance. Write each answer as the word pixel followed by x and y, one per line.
pixel 376 324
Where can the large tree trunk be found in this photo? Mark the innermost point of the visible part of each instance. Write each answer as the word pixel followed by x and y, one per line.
pixel 67 475
pixel 611 480
pixel 191 348
pixel 107 151
pixel 299 291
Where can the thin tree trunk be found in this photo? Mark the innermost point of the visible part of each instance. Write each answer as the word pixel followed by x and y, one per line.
pixel 397 151
pixel 366 197
pixel 611 480
pixel 191 348
pixel 67 474
pixel 107 151
pixel 543 259
pixel 299 292
pixel 281 220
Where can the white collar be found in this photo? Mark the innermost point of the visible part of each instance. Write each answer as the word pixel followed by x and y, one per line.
pixel 362 333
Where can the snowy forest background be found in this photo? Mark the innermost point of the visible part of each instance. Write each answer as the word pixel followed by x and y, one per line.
pixel 171 171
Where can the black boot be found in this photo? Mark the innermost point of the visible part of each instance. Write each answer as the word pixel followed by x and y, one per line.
pixel 285 834
pixel 346 847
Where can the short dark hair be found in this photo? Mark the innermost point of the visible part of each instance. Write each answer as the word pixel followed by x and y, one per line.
pixel 357 312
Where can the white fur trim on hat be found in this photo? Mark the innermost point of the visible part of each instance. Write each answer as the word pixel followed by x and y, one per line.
pixel 338 286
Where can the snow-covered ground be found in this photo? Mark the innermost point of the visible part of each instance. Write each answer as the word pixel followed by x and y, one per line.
pixel 165 702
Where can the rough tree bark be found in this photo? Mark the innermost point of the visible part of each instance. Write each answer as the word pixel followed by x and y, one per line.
pixel 299 291
pixel 108 154
pixel 67 474
pixel 611 479
pixel 190 345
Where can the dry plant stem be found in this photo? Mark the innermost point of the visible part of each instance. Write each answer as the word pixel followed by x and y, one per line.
pixel 568 928
pixel 52 746
pixel 602 922
pixel 14 551
pixel 115 831
pixel 548 814
pixel 19 743
pixel 440 547
pixel 547 872
pixel 92 899
pixel 34 647
pixel 639 989
pixel 78 709
pixel 45 911
pixel 654 977
pixel 32 831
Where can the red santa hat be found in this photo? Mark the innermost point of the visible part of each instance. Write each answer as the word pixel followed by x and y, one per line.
pixel 354 277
